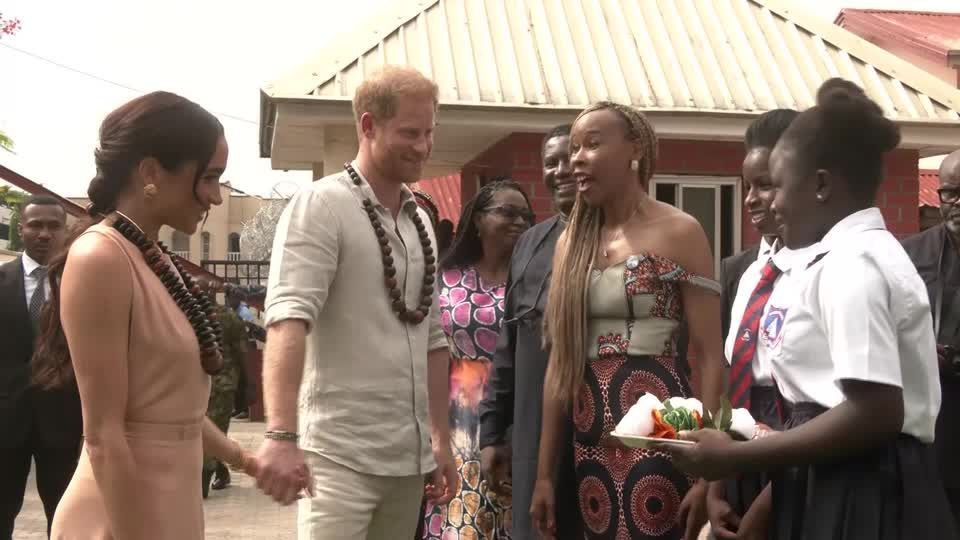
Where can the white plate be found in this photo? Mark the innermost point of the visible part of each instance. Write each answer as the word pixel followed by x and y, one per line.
pixel 636 441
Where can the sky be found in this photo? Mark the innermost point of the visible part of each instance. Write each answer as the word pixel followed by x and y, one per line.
pixel 215 52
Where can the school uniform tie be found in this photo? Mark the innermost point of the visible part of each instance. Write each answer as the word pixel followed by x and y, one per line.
pixel 745 346
pixel 39 295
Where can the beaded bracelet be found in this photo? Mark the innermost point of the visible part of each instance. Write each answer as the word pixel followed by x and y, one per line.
pixel 281 436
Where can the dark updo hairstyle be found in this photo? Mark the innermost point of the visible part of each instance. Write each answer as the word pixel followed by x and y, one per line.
pixel 467 248
pixel 766 130
pixel 161 125
pixel 845 133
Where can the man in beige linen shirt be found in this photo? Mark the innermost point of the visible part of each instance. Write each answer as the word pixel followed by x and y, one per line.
pixel 361 364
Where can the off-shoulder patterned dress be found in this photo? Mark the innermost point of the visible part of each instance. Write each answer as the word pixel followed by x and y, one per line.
pixel 634 310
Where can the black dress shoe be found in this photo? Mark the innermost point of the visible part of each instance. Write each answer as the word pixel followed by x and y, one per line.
pixel 207 475
pixel 222 478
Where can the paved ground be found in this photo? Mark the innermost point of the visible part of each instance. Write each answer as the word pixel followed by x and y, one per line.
pixel 239 512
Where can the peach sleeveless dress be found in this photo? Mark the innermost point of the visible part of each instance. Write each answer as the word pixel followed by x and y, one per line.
pixel 167 399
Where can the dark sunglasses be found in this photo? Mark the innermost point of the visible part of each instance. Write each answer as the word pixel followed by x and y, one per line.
pixel 511 212
pixel 948 195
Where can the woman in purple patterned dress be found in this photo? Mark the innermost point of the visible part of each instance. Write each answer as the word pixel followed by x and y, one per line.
pixel 473 278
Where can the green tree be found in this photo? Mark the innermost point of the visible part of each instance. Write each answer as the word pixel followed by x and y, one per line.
pixel 13 199
pixel 6 142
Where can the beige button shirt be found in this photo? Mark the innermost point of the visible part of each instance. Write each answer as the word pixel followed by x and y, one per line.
pixel 363 399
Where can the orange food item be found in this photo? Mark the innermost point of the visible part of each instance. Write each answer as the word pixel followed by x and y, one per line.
pixel 661 429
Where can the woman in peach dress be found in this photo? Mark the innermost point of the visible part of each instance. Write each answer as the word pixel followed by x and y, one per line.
pixel 131 326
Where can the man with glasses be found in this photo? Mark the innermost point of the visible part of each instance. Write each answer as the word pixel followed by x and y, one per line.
pixel 512 404
pixel 936 254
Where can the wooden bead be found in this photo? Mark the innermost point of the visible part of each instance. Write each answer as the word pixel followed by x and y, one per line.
pixel 389 271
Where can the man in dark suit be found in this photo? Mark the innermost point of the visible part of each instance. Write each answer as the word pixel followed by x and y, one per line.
pixel 513 399
pixel 936 254
pixel 35 424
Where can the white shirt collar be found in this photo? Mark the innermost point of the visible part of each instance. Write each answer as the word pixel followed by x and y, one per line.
pixel 29 265
pixel 766 249
pixel 406 195
pixel 857 222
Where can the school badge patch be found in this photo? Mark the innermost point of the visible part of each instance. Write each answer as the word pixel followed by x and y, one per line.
pixel 771 330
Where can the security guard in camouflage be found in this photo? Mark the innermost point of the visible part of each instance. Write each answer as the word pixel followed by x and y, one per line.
pixel 223 389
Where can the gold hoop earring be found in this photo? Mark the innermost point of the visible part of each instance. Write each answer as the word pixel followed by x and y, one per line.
pixel 635 165
pixel 150 191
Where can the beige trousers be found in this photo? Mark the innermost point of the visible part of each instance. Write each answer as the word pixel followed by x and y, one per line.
pixel 349 505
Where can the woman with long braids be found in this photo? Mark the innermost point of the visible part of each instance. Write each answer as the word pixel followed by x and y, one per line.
pixel 628 269
pixel 472 287
pixel 132 327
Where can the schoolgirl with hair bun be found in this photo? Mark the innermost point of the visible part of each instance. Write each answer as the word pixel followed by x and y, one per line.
pixel 853 351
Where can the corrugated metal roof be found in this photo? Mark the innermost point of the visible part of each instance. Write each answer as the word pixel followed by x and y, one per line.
pixel 929 182
pixel 937 31
pixel 736 56
pixel 445 191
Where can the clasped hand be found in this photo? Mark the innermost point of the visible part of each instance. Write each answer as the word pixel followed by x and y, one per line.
pixel 282 472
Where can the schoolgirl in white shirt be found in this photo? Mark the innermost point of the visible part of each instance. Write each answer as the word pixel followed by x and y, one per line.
pixel 731 504
pixel 857 360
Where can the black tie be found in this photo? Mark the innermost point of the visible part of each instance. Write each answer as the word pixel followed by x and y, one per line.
pixel 39 295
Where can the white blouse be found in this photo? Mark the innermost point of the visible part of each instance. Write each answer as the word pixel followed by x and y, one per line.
pixel 748 282
pixel 859 312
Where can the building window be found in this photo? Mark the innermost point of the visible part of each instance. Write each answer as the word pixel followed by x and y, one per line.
pixel 180 244
pixel 233 247
pixel 715 202
pixel 205 246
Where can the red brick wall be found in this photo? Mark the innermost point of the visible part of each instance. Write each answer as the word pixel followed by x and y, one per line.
pixel 899 198
pixel 518 156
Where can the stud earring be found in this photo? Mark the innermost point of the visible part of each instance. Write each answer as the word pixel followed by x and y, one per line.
pixel 819 197
pixel 634 165
pixel 150 191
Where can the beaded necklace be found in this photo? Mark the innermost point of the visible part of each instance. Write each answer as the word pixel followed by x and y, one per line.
pixel 198 308
pixel 408 315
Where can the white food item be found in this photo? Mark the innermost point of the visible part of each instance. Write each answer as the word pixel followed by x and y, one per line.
pixel 742 423
pixel 639 419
